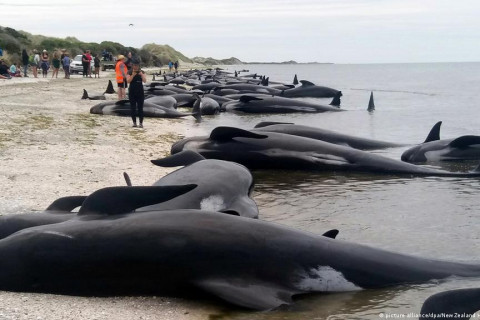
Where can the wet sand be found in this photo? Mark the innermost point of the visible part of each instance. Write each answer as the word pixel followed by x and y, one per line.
pixel 50 147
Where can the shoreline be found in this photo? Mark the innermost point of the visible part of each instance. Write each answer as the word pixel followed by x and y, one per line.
pixel 50 147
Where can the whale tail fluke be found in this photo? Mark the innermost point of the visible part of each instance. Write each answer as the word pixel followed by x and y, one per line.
pixel 434 133
pixel 110 89
pixel 371 104
pixel 85 94
pixel 336 100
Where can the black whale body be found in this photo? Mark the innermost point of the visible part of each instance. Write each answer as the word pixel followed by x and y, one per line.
pixel 178 251
pixel 325 135
pixel 271 150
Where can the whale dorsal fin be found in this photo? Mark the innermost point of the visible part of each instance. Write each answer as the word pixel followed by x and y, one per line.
pixel 258 296
pixel 228 133
pixel 295 80
pixel 434 133
pixel 331 233
pixel 270 123
pixel 120 200
pixel 183 158
pixel 85 94
pixel 110 89
pixel 306 83
pixel 247 99
pixel 66 203
pixel 464 142
pixel 371 104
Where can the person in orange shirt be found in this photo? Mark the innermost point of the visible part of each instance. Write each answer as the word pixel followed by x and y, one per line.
pixel 121 76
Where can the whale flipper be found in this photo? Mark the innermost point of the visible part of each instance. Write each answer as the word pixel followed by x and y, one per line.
pixel 85 94
pixel 247 98
pixel 458 304
pixel 464 142
pixel 331 233
pixel 183 158
pixel 434 133
pixel 228 133
pixel 66 203
pixel 127 179
pixel 257 296
pixel 120 200
pixel 270 123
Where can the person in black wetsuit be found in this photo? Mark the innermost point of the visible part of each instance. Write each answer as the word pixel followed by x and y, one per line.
pixel 136 77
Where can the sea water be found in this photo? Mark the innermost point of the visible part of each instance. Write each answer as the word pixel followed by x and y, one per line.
pixel 431 217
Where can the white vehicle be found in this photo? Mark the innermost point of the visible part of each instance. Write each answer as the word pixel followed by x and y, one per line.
pixel 76 64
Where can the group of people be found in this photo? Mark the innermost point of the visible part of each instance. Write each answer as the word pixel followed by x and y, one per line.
pixel 42 61
pixel 87 64
pixel 128 72
pixel 173 65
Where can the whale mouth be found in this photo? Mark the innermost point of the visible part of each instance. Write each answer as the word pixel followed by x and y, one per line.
pixel 230 212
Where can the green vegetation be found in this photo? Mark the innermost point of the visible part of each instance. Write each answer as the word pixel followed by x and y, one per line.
pixel 13 42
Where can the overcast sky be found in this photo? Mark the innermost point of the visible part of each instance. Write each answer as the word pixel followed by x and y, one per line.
pixel 339 31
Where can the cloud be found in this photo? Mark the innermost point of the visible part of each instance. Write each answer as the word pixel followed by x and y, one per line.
pixel 303 30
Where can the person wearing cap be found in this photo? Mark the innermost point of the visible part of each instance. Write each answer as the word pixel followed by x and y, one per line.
pixel 121 77
pixel 136 78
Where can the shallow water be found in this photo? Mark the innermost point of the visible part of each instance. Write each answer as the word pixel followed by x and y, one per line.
pixel 429 217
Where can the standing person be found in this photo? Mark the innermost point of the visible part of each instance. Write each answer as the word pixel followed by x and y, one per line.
pixel 44 63
pixel 66 65
pixel 176 66
pixel 136 78
pixel 128 61
pixel 89 58
pixel 170 65
pixel 25 61
pixel 62 56
pixel 35 63
pixel 56 65
pixel 121 77
pixel 96 63
pixel 85 63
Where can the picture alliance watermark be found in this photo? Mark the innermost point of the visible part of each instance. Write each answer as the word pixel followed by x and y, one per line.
pixel 413 315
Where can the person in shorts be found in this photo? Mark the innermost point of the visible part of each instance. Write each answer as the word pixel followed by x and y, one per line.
pixel 121 77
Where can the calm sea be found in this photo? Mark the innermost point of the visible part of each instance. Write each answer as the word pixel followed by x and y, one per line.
pixel 429 217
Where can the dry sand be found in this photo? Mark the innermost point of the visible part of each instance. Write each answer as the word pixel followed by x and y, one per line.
pixel 51 146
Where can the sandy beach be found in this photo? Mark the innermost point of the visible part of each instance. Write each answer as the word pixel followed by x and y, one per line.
pixel 50 147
